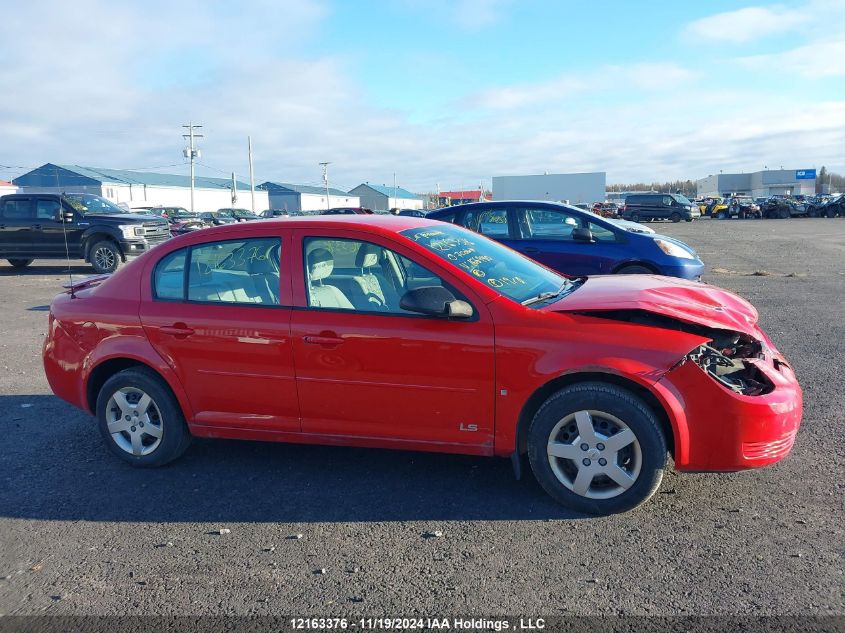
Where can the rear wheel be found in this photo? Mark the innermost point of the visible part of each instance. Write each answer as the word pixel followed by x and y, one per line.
pixel 20 263
pixel 104 256
pixel 140 419
pixel 597 448
pixel 635 217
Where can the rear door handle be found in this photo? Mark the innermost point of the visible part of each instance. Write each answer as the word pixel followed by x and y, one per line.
pixel 177 329
pixel 530 249
pixel 322 340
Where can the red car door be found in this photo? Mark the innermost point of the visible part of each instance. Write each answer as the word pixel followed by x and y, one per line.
pixel 367 368
pixel 228 339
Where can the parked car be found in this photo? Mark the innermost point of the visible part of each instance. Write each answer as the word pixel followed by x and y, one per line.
pixel 279 213
pixel 414 334
pixel 347 211
pixel 781 208
pixel 217 219
pixel 183 221
pixel 659 206
pixel 827 207
pixel 741 207
pixel 414 213
pixel 240 215
pixel 82 226
pixel 573 241
pixel 634 227
pixel 606 209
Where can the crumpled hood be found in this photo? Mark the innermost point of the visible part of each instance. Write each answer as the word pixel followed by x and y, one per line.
pixel 689 301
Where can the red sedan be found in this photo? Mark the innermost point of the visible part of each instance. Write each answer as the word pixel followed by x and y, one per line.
pixel 401 332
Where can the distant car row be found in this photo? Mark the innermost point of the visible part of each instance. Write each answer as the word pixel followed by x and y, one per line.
pixel 774 207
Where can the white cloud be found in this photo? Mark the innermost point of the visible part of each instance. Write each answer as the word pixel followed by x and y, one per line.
pixel 748 24
pixel 821 59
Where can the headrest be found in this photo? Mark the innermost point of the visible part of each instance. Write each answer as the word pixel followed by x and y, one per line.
pixel 367 256
pixel 269 264
pixel 320 264
pixel 199 271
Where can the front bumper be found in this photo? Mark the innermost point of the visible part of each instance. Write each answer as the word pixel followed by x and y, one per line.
pixel 133 248
pixel 691 269
pixel 719 430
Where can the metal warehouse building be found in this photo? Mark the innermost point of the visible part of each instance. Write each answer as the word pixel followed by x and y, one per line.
pixel 585 187
pixel 137 188
pixel 760 184
pixel 383 198
pixel 306 198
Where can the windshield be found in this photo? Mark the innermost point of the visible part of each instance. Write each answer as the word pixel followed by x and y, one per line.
pixel 682 199
pixel 513 275
pixel 181 214
pixel 86 203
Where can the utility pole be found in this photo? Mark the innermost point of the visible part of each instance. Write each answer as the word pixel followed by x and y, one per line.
pixel 251 177
pixel 325 166
pixel 193 153
pixel 394 188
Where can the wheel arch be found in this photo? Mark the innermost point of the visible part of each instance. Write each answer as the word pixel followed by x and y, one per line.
pixel 644 264
pixel 536 400
pixel 98 235
pixel 108 367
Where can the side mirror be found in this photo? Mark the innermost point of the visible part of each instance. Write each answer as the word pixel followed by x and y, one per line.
pixel 582 235
pixel 63 215
pixel 435 301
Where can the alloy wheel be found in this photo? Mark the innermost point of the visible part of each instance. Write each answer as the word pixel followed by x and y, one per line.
pixel 594 454
pixel 104 258
pixel 134 421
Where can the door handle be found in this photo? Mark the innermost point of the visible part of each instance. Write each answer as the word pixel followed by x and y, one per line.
pixel 177 329
pixel 322 340
pixel 37 227
pixel 530 249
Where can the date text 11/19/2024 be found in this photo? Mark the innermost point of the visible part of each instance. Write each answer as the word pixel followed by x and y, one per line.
pixel 421 623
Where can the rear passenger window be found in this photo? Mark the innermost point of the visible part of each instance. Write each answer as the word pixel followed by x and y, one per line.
pixel 15 209
pixel 170 276
pixel 490 222
pixel 235 271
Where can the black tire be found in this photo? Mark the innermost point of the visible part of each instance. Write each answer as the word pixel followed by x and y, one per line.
pixel 689 219
pixel 635 217
pixel 20 263
pixel 783 214
pixel 635 269
pixel 675 217
pixel 602 399
pixel 167 418
pixel 104 256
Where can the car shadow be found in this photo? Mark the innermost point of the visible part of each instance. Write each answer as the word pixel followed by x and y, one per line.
pixel 79 270
pixel 55 466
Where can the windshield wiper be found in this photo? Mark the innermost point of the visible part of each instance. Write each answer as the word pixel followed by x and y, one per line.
pixel 543 296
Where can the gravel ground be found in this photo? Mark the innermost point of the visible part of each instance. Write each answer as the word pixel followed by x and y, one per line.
pixel 80 533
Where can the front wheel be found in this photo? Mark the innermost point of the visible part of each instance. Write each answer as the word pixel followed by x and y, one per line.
pixel 140 419
pixel 634 269
pixel 104 257
pixel 675 217
pixel 597 448
pixel 20 263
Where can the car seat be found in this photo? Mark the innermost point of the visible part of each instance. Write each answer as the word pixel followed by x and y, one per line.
pixel 320 295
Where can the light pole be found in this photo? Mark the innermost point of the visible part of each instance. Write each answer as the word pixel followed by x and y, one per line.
pixel 325 166
pixel 193 153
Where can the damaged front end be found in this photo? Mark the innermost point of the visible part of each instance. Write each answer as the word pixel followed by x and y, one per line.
pixel 730 358
pixel 727 358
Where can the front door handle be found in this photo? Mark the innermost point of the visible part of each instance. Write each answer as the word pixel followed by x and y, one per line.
pixel 530 249
pixel 36 227
pixel 322 340
pixel 179 330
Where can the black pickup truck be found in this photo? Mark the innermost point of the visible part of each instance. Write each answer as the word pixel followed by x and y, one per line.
pixel 38 226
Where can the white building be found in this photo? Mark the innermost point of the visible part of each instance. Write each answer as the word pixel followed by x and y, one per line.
pixel 6 188
pixel 384 198
pixel 290 197
pixel 575 188
pixel 137 188
pixel 760 184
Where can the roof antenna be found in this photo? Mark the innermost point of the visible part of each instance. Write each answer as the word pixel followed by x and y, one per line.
pixel 64 234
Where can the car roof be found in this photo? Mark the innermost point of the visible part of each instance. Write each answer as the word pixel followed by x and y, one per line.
pixel 379 224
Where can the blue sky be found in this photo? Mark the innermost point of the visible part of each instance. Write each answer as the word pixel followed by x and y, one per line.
pixel 448 92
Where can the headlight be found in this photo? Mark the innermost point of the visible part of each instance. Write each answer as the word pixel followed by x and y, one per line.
pixel 674 250
pixel 131 231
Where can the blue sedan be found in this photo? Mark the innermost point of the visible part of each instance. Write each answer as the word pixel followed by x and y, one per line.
pixel 573 241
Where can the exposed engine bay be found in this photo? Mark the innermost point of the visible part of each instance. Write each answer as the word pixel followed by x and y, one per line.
pixel 725 357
